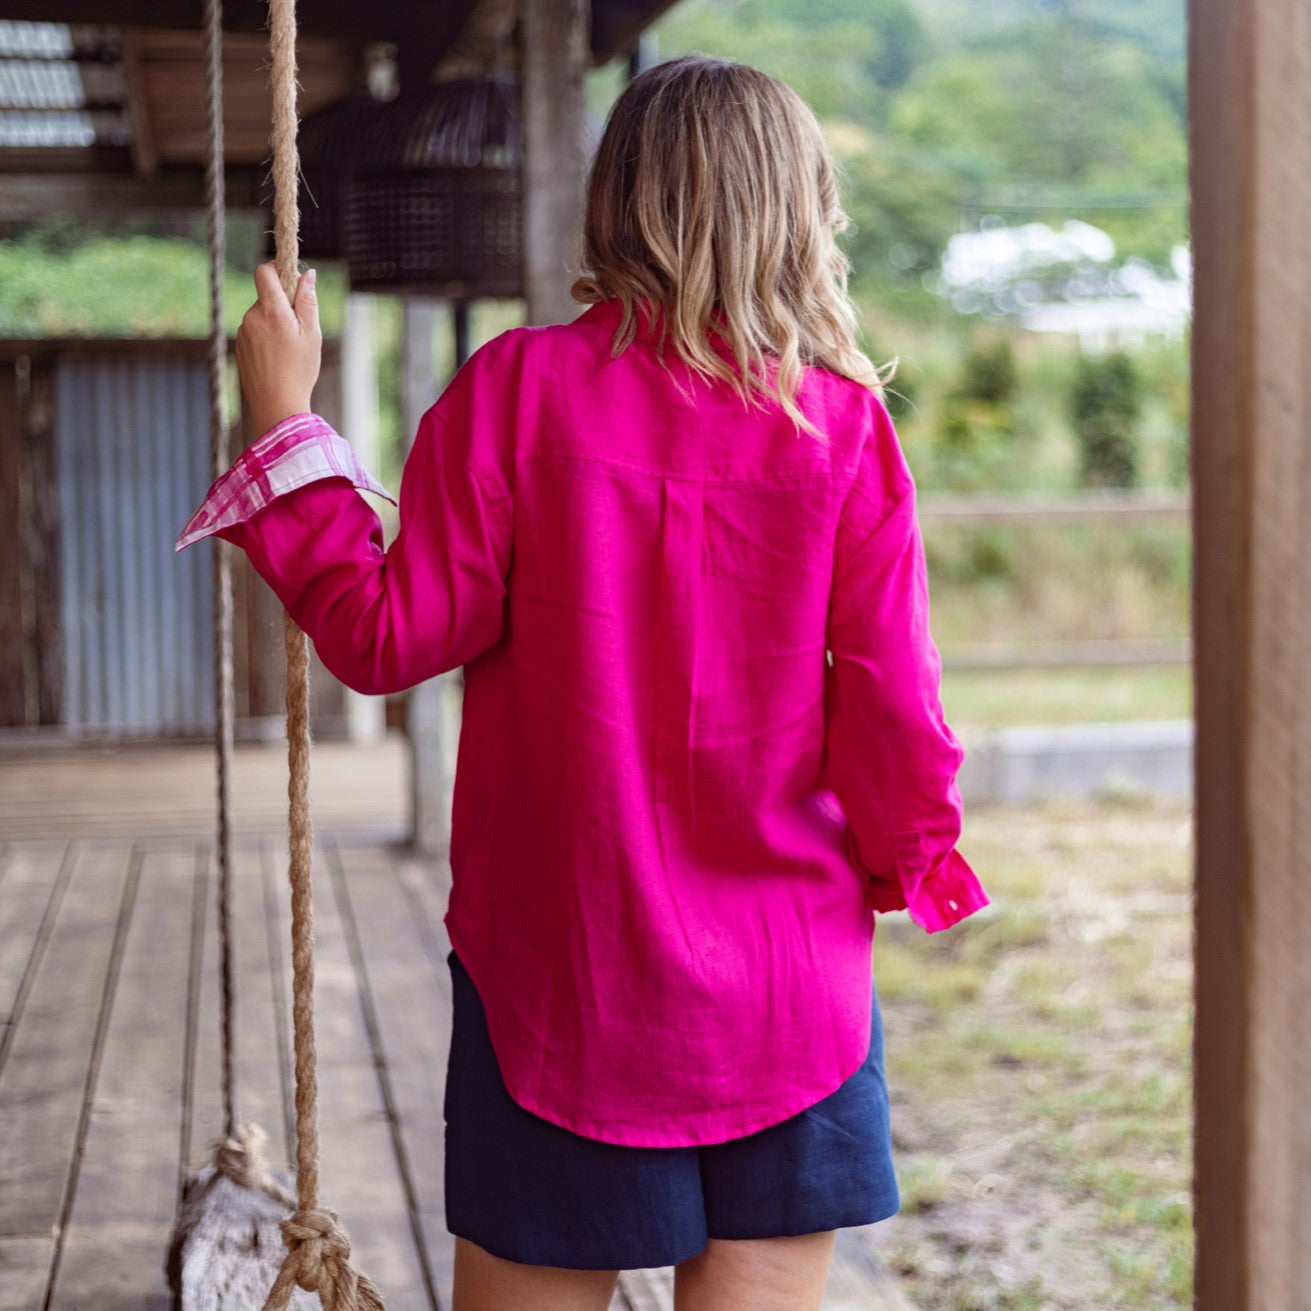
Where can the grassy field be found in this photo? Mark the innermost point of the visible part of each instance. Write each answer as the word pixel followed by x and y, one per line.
pixel 998 698
pixel 1038 1059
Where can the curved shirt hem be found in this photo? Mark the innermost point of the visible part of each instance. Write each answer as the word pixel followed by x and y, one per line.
pixel 589 1128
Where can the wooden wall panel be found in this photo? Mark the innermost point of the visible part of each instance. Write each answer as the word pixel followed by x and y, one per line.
pixel 171 72
pixel 13 641
pixel 31 651
pixel 43 528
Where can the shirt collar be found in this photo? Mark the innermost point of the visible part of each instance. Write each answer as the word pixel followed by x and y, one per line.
pixel 608 313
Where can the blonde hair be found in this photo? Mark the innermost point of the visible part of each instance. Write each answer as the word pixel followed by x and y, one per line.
pixel 713 198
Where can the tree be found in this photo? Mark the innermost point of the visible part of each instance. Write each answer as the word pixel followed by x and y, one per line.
pixel 1056 110
pixel 844 57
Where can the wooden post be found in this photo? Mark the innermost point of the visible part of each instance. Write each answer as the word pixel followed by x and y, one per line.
pixel 366 716
pixel 430 715
pixel 1250 107
pixel 554 56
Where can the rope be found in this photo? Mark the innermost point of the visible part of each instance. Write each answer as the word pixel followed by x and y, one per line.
pixel 220 458
pixel 241 1158
pixel 318 1247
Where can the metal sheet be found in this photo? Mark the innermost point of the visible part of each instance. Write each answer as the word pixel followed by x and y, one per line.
pixel 133 463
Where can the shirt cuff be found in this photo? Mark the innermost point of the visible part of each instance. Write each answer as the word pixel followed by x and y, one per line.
pixel 300 450
pixel 936 897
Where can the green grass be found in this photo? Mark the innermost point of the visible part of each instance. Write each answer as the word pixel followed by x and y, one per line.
pixel 1039 1064
pixel 998 698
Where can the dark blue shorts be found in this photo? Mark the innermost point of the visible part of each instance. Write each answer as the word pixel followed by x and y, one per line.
pixel 532 1191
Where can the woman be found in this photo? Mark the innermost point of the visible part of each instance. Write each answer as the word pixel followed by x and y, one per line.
pixel 674 546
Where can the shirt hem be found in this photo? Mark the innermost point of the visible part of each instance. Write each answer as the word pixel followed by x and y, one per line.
pixel 589 1128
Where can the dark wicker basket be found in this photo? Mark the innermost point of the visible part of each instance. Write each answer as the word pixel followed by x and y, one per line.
pixel 433 206
pixel 329 141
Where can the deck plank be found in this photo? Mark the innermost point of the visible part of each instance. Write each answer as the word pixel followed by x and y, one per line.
pixel 645 1290
pixel 360 1179
pixel 126 1194
pixel 136 791
pixel 44 1081
pixel 260 1094
pixel 34 878
pixel 25 1270
pixel 409 981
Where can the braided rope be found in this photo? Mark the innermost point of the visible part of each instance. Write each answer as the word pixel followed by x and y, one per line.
pixel 220 458
pixel 318 1247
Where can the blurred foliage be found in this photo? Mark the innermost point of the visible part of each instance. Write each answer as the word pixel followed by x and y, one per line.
pixel 1058 579
pixel 989 372
pixel 978 439
pixel 1105 406
pixel 845 57
pixel 134 285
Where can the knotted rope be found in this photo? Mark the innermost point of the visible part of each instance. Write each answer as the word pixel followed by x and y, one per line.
pixel 318 1247
pixel 240 1157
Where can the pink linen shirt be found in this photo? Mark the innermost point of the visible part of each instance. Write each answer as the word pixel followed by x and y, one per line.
pixel 702 740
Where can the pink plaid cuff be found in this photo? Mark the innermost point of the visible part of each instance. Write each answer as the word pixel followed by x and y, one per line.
pixel 301 449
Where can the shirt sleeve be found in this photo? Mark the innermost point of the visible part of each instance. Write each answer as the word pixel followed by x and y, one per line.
pixel 891 759
pixel 381 619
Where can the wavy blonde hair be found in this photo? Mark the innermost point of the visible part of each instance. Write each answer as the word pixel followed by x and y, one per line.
pixel 713 198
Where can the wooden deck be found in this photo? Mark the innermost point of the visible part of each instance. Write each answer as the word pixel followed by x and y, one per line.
pixel 109 1084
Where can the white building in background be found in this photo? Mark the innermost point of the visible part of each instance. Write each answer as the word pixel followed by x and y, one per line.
pixel 1065 281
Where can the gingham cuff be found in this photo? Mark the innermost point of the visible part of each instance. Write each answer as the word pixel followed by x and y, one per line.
pixel 301 449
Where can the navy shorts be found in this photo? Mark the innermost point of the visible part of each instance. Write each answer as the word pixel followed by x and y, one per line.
pixel 531 1191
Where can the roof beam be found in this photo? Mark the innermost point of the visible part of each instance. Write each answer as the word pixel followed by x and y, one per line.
pixel 395 20
pixel 25 197
pixel 420 28
pixel 145 160
pixel 617 25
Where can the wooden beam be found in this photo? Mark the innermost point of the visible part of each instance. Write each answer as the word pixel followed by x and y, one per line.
pixel 343 18
pixel 613 29
pixel 172 72
pixel 16 685
pixel 1250 137
pixel 618 24
pixel 366 716
pixel 554 59
pixel 145 159
pixel 430 716
pixel 28 196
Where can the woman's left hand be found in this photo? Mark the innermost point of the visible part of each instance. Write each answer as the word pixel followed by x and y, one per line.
pixel 279 346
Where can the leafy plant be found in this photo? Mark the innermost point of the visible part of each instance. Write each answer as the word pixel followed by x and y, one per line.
pixel 1105 405
pixel 975 440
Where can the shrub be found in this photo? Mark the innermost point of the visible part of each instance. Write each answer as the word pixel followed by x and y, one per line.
pixel 1105 404
pixel 975 438
pixel 989 372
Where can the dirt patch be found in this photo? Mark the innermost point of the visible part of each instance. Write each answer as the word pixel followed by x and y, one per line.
pixel 1038 1059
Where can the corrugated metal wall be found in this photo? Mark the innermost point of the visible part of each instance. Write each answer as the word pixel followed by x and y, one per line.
pixel 132 438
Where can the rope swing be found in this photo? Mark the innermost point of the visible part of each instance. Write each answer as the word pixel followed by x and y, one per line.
pixel 318 1247
pixel 223 1209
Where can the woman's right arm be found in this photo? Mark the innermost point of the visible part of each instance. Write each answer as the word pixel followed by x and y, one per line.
pixel 381 618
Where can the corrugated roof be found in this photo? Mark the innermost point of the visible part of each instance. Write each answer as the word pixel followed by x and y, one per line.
pixel 60 86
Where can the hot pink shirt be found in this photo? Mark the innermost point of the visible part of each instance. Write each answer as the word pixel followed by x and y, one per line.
pixel 702 739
